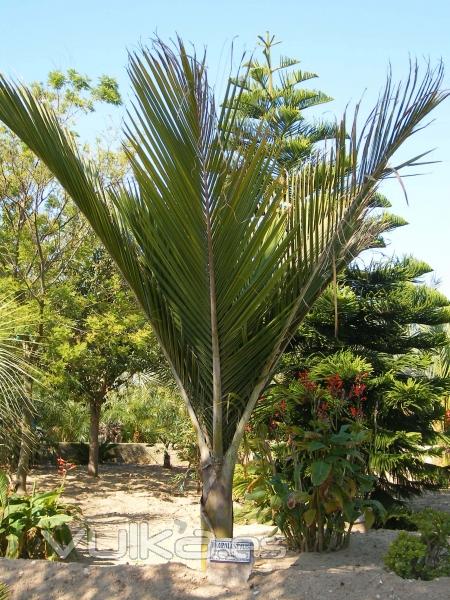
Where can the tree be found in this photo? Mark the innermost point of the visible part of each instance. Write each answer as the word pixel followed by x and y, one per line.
pixel 40 228
pixel 387 317
pixel 149 413
pixel 101 342
pixel 271 96
pixel 224 272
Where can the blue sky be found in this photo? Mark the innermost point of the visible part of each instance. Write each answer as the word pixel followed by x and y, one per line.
pixel 348 43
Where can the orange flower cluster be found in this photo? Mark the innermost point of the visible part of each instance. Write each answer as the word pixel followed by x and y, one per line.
pixel 64 466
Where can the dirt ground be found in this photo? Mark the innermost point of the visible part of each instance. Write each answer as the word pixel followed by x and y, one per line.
pixel 145 542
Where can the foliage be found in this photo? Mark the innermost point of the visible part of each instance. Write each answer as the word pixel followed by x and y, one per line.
pixel 388 318
pixel 14 328
pixel 223 271
pixel 424 557
pixel 40 228
pixel 100 339
pixel 4 592
pixel 147 413
pixel 308 442
pixel 272 104
pixel 63 420
pixel 405 556
pixel 31 526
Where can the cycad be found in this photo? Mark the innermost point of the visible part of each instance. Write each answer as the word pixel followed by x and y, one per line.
pixel 224 261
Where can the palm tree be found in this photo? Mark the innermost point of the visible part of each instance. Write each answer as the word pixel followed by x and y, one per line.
pixel 224 260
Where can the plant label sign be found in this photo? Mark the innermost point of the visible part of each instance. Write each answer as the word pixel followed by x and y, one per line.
pixel 227 550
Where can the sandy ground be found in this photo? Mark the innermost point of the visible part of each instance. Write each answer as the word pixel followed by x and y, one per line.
pixel 145 547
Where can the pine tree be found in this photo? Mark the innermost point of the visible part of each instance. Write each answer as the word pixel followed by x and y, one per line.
pixel 270 95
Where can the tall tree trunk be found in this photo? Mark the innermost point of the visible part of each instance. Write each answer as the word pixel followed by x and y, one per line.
pixel 216 504
pixel 95 408
pixel 23 465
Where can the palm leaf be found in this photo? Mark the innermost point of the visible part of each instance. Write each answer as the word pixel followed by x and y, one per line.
pixel 14 369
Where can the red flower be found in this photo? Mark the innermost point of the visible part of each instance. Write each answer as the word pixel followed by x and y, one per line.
pixel 335 384
pixel 358 389
pixel 356 412
pixel 283 406
pixel 304 379
pixel 64 466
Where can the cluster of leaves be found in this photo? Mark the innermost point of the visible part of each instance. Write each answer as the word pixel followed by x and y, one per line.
pixel 147 413
pixel 388 318
pixel 35 525
pixel 308 474
pixel 426 556
pixel 4 592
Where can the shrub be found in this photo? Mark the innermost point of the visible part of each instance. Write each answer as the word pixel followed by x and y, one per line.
pixel 33 526
pixel 426 556
pixel 309 474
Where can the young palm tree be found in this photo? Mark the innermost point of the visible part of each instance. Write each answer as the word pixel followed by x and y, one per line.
pixel 224 261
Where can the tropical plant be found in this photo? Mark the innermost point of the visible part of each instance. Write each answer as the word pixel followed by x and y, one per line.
pixel 40 228
pixel 102 343
pixel 35 525
pixel 225 261
pixel 308 473
pixel 388 317
pixel 426 556
pixel 149 413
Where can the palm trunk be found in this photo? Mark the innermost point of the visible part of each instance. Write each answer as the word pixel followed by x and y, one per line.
pixel 23 465
pixel 216 504
pixel 95 408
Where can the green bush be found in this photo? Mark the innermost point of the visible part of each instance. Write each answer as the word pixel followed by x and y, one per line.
pixel 425 556
pixel 308 474
pixel 33 526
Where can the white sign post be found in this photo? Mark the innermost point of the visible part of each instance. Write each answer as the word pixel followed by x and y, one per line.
pixel 230 561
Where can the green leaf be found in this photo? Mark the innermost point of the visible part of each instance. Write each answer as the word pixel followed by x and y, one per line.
pixel 13 547
pixel 369 517
pixel 309 516
pixel 53 521
pixel 315 445
pixel 4 486
pixel 320 471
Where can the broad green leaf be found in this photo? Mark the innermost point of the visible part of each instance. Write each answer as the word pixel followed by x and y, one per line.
pixel 309 516
pixel 53 521
pixel 319 471
pixel 13 546
pixel 4 486
pixel 315 445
